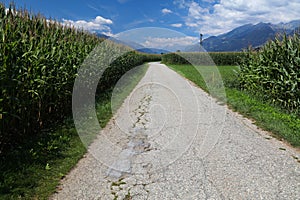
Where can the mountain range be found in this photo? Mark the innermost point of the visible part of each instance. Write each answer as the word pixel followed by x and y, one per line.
pixel 240 38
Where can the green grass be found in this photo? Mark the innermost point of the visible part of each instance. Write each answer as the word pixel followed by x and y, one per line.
pixel 193 74
pixel 34 169
pixel 282 124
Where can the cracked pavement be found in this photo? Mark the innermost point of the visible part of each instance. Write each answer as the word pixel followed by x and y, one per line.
pixel 170 140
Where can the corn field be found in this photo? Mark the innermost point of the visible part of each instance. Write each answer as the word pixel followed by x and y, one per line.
pixel 274 72
pixel 203 58
pixel 39 60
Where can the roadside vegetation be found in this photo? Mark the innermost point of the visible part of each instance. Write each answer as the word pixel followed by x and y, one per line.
pixel 265 86
pixel 39 61
pixel 204 58
pixel 274 72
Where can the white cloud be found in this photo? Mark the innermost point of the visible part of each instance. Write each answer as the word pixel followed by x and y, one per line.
pixel 180 3
pixel 97 24
pixel 228 14
pixel 166 11
pixel 14 12
pixel 170 43
pixel 177 25
pixel 101 20
pixel 196 11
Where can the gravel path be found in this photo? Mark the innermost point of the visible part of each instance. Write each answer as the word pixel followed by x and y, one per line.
pixel 170 140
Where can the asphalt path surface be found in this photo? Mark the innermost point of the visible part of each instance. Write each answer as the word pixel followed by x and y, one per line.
pixel 170 140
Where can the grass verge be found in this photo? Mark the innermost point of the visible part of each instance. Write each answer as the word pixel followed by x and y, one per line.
pixel 34 169
pixel 283 125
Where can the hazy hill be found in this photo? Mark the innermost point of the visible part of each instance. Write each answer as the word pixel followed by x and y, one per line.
pixel 134 45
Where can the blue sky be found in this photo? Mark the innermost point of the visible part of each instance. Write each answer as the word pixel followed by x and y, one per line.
pixel 189 17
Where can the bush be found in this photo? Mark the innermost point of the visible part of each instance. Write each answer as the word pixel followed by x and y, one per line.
pixel 274 72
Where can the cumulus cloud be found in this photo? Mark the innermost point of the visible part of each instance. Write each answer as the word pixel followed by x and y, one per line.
pixel 97 24
pixel 170 43
pixel 177 25
pixel 224 15
pixel 101 20
pixel 166 11
pixel 196 11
